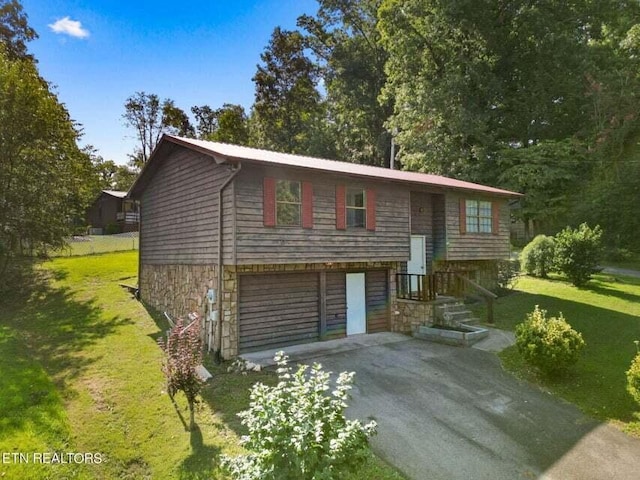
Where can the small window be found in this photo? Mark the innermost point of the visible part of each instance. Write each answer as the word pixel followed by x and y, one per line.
pixel 479 217
pixel 288 203
pixel 356 207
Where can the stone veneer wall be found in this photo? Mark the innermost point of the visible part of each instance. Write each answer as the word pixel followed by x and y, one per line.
pixel 410 314
pixel 176 289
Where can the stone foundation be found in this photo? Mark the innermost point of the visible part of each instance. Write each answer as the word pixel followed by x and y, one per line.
pixel 408 315
pixel 176 289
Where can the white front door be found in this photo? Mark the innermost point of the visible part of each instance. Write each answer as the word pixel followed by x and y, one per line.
pixel 417 263
pixel 356 305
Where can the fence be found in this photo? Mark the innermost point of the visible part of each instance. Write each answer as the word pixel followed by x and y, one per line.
pixel 92 244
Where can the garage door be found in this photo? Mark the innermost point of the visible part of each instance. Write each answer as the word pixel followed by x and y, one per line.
pixel 277 310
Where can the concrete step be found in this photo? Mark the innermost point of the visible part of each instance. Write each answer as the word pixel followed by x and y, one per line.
pixel 456 316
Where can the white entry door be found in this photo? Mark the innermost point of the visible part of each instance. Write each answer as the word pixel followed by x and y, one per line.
pixel 356 305
pixel 417 264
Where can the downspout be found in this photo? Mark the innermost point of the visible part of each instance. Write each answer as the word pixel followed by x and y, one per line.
pixel 218 337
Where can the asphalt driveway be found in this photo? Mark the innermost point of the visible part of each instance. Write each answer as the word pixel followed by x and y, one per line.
pixel 453 413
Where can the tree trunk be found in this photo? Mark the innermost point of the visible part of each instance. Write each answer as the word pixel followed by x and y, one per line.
pixel 192 419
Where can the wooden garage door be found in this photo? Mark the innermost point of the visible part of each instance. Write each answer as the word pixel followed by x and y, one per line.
pixel 377 301
pixel 277 310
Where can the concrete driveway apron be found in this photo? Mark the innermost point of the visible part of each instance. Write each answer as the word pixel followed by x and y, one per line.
pixel 452 413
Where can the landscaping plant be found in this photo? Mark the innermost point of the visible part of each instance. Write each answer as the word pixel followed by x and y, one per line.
pixel 508 272
pixel 578 252
pixel 297 429
pixel 538 256
pixel 633 377
pixel 183 353
pixel 550 344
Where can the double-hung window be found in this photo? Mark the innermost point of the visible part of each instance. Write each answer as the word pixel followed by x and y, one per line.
pixel 479 216
pixel 288 203
pixel 356 205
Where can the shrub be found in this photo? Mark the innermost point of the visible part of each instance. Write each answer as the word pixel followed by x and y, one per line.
pixel 538 256
pixel 508 271
pixel 578 253
pixel 298 431
pixel 112 229
pixel 551 344
pixel 633 377
pixel 183 353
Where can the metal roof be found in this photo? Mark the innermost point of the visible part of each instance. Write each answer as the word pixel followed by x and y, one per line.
pixel 115 193
pixel 224 152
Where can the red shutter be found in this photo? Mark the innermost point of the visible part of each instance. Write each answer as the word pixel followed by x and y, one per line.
pixel 307 205
pixel 269 202
pixel 371 210
pixel 341 207
pixel 495 213
pixel 463 216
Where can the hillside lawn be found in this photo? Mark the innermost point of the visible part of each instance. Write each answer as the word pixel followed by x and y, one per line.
pixel 81 373
pixel 607 313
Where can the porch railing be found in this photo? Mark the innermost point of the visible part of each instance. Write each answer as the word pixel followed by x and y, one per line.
pixel 127 217
pixel 426 288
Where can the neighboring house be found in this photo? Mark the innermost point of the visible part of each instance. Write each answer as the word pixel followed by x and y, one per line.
pixel 112 212
pixel 304 249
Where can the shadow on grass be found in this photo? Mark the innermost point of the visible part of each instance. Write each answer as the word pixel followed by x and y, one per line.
pixel 202 460
pixel 45 340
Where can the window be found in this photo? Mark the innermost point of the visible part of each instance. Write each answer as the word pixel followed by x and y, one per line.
pixel 356 207
pixel 479 218
pixel 288 203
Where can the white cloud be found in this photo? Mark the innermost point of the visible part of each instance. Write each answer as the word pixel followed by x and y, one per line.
pixel 66 26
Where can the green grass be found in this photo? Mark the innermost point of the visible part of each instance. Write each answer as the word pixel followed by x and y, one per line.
pixel 81 373
pixel 607 313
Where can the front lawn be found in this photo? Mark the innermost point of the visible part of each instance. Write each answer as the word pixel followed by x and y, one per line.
pixel 81 374
pixel 607 313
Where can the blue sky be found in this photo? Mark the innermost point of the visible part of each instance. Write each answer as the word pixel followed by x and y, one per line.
pixel 98 53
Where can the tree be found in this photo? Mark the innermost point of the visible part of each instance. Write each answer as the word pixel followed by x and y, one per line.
pixel 227 124
pixel 110 175
pixel 346 45
pixel 15 31
pixel 232 124
pixel 287 113
pixel 44 177
pixel 151 118
pixel 183 353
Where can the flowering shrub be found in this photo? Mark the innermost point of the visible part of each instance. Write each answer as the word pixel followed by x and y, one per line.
pixel 633 377
pixel 548 344
pixel 183 353
pixel 298 431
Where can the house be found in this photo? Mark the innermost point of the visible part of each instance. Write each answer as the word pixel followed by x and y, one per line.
pixel 300 249
pixel 112 212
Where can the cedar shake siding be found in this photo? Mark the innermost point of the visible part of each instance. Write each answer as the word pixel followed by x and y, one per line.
pixel 179 214
pixel 324 242
pixel 477 246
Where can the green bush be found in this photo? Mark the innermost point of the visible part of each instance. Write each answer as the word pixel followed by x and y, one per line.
pixel 633 377
pixel 578 253
pixel 508 271
pixel 112 229
pixel 538 256
pixel 297 430
pixel 551 344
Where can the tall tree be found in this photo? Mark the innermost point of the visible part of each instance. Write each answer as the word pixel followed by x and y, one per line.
pixel 472 77
pixel 228 124
pixel 150 118
pixel 346 43
pixel 15 31
pixel 44 178
pixel 287 113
